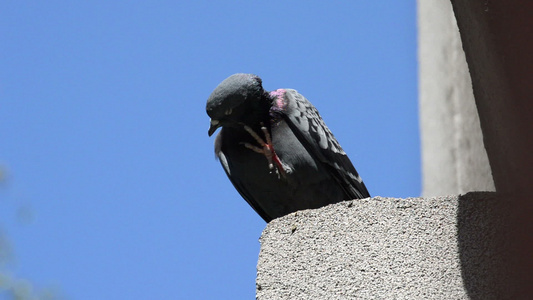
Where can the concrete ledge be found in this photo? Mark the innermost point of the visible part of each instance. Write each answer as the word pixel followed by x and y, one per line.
pixel 386 248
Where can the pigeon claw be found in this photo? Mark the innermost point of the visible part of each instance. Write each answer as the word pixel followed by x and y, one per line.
pixel 274 163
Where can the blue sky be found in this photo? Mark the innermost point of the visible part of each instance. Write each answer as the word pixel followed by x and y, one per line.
pixel 112 190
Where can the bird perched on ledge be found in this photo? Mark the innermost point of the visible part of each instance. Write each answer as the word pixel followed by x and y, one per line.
pixel 276 149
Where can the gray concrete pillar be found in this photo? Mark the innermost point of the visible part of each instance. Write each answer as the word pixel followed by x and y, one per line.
pixel 454 159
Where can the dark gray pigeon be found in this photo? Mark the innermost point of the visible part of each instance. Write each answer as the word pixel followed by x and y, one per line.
pixel 276 149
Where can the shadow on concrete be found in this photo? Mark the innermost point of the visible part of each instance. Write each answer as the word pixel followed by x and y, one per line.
pixel 482 241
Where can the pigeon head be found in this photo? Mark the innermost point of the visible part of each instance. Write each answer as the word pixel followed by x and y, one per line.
pixel 234 101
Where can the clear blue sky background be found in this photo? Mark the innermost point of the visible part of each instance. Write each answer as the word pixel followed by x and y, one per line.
pixel 113 191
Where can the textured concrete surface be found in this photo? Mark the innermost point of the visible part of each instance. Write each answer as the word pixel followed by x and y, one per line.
pixel 386 248
pixel 497 37
pixel 454 160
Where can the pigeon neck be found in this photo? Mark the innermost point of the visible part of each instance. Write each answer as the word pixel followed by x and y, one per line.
pixel 259 112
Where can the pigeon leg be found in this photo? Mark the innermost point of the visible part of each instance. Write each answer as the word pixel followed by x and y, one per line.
pixel 266 148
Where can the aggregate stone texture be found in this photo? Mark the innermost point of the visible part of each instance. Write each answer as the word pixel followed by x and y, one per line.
pixel 385 248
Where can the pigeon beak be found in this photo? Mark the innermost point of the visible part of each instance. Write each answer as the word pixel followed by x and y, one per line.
pixel 214 126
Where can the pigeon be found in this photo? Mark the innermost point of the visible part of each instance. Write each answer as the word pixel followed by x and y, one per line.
pixel 276 149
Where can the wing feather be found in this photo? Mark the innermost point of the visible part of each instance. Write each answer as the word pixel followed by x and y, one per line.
pixel 307 124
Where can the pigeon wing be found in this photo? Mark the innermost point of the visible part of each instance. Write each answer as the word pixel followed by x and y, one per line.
pixel 305 121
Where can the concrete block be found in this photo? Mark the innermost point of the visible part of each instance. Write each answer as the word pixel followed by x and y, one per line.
pixel 386 248
pixel 454 159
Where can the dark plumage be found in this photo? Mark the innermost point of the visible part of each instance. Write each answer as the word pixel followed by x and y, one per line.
pixel 276 149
